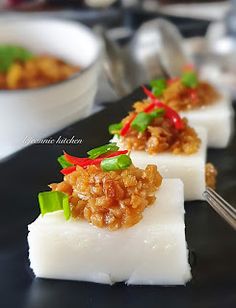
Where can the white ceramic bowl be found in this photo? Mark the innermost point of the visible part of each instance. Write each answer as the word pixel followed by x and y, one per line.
pixel 37 113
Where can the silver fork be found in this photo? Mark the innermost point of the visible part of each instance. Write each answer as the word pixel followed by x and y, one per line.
pixel 222 207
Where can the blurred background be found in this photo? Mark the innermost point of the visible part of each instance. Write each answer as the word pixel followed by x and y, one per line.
pixel 134 42
pixel 208 27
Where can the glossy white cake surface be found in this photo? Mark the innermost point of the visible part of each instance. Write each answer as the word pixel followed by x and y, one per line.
pixel 189 168
pixel 153 251
pixel 217 119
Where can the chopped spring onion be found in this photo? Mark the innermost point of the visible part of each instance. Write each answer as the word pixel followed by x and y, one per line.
pixel 190 79
pixel 115 128
pixel 10 53
pixel 116 163
pixel 63 162
pixel 94 153
pixel 158 86
pixel 51 201
pixel 157 113
pixel 141 122
pixel 143 119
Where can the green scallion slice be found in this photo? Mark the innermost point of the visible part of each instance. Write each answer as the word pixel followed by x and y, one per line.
pixel 141 122
pixel 116 163
pixel 51 201
pixel 190 79
pixel 10 53
pixel 157 113
pixel 94 153
pixel 143 119
pixel 114 128
pixel 63 162
pixel 158 86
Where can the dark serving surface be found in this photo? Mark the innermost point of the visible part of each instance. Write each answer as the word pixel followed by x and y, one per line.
pixel 211 240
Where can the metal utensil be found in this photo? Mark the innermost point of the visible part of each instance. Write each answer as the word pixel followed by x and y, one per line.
pixel 157 47
pixel 114 65
pixel 156 50
pixel 222 207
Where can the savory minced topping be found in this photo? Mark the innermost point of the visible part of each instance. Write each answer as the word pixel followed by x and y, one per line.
pixel 112 200
pixel 105 188
pixel 185 93
pixel 156 133
pixel 21 69
pixel 210 175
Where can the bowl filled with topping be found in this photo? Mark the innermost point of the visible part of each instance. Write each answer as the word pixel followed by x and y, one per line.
pixel 48 78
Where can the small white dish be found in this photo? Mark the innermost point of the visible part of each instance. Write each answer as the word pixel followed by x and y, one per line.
pixel 37 113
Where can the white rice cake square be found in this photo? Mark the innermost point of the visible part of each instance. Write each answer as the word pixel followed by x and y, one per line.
pixel 189 168
pixel 217 119
pixel 154 251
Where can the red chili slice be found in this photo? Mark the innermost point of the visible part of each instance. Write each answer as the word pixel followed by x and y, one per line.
pixel 84 162
pixel 68 170
pixel 75 160
pixel 149 93
pixel 126 127
pixel 98 160
pixel 149 108
pixel 169 112
pixel 172 115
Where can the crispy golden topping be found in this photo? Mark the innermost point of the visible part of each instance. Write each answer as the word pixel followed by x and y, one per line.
pixel 36 72
pixel 182 98
pixel 161 136
pixel 111 200
pixel 210 174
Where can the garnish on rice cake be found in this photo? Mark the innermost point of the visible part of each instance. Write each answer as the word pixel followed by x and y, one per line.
pixel 96 222
pixel 157 134
pixel 200 102
pixel 106 189
pixel 155 128
pixel 185 93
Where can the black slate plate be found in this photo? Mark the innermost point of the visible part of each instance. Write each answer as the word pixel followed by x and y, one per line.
pixel 211 240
